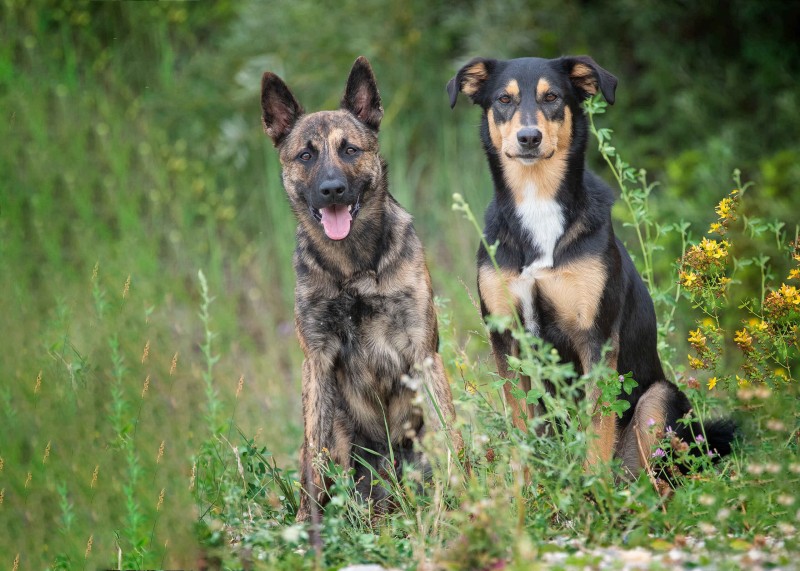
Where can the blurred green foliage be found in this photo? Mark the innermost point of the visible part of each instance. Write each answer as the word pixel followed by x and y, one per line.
pixel 131 138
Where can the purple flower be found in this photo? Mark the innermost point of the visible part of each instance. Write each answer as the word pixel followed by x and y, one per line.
pixel 650 421
pixel 711 454
pixel 699 438
pixel 621 378
pixel 659 453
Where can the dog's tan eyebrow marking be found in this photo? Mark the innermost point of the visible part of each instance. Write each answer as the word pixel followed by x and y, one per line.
pixel 512 88
pixel 542 87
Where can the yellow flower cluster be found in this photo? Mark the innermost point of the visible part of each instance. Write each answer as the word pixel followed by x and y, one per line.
pixel 699 343
pixel 696 363
pixel 744 340
pixel 786 299
pixel 725 207
pixel 697 339
pixel 706 254
pixel 703 267
pixel 726 211
pixel 714 249
pixel 790 294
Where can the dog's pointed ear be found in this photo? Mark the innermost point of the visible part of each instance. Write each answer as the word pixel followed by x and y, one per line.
pixel 470 79
pixel 587 77
pixel 361 95
pixel 279 109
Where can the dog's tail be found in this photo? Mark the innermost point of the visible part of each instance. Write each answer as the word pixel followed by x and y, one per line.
pixel 713 438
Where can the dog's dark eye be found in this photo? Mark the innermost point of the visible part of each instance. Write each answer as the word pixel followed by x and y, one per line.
pixel 550 97
pixel 305 156
pixel 350 150
pixel 504 99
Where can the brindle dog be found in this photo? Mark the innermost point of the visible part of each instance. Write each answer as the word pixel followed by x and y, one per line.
pixel 364 309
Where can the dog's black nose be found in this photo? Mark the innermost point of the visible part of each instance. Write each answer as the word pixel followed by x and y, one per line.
pixel 529 137
pixel 332 188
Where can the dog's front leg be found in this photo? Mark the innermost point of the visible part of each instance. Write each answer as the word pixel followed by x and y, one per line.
pixel 603 432
pixel 438 399
pixel 504 345
pixel 325 433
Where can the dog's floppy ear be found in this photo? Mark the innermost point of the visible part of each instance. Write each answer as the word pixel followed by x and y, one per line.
pixel 587 77
pixel 470 79
pixel 279 109
pixel 361 95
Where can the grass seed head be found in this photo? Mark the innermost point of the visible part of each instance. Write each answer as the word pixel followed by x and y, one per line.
pixel 38 384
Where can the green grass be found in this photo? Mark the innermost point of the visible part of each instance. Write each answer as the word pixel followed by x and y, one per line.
pixel 133 163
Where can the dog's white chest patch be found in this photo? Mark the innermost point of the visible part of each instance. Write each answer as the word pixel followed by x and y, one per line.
pixel 543 220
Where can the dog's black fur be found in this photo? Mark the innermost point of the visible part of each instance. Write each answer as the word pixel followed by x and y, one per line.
pixel 572 281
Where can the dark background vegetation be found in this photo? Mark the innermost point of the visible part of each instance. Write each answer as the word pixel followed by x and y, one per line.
pixel 131 139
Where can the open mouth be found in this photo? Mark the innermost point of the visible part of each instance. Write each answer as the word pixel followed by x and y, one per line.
pixel 336 219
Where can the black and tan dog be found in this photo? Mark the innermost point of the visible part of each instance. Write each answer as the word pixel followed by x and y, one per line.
pixel 572 281
pixel 363 301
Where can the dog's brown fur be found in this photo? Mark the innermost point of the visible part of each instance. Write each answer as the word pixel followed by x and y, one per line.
pixel 364 308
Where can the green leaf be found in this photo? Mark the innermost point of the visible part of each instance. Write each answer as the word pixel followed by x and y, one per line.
pixel 533 396
pixel 620 406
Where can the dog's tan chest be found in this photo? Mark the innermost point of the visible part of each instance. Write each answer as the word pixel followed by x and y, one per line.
pixel 574 292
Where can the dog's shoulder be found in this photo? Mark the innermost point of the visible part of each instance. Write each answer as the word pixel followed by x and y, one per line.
pixel 600 196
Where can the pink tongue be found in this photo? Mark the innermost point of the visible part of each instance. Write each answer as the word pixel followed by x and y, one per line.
pixel 336 221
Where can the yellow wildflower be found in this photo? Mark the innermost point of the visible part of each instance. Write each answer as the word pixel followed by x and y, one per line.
pixel 712 382
pixel 688 279
pixel 742 382
pixel 714 249
pixel 781 372
pixel 794 274
pixel 697 338
pixel 695 363
pixel 715 227
pixel 790 294
pixel 725 208
pixel 743 339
